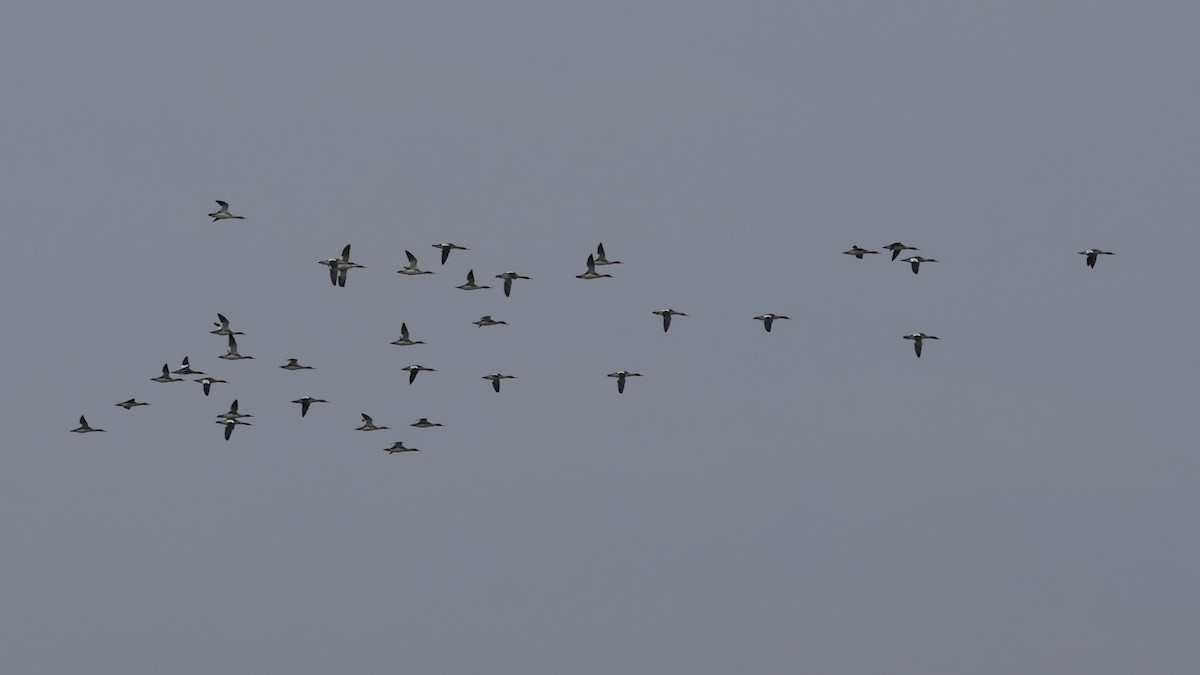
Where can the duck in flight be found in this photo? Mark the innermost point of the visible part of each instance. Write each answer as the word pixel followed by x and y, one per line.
pixel 487 320
pixel 83 427
pixel 496 377
pixel 230 423
pixel 233 413
pixel 294 364
pixel 896 247
pixel 411 269
pixel 591 272
pixel 223 212
pixel 208 382
pixel 859 252
pixel 602 259
pixel 621 375
pixel 369 424
pixel 222 325
pixel 186 369
pixel 471 285
pixel 917 339
pixel 769 319
pixel 916 261
pixel 166 376
pixel 446 248
pixel 339 268
pixel 131 404
pixel 666 315
pixel 399 446
pixel 424 423
pixel 508 279
pixel 414 369
pixel 405 340
pixel 1094 253
pixel 232 353
pixel 306 401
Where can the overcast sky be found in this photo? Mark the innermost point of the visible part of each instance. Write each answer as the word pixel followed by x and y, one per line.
pixel 1021 499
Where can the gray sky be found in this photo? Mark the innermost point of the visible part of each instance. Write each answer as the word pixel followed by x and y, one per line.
pixel 1020 499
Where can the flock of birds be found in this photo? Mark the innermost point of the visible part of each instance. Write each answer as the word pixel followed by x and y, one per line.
pixel 339 269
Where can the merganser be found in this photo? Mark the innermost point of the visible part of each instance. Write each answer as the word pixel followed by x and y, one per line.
pixel 305 401
pixel 340 267
pixel 768 319
pixel 412 269
pixel 601 259
pixel 223 212
pixel 414 369
pixel 83 427
pixel 1092 254
pixel 858 252
pixel 230 424
pixel 917 338
pixel 232 354
pixel 405 340
pixel 508 279
pixel 470 285
pixel 666 316
pixel 369 424
pixel 621 375
pixel 233 413
pixel 223 327
pixel 294 364
pixel 208 382
pixel 166 376
pixel 916 261
pixel 446 248
pixel 398 446
pixel 495 378
pixel 186 369
pixel 897 247
pixel 487 320
pixel 424 423
pixel 131 404
pixel 591 271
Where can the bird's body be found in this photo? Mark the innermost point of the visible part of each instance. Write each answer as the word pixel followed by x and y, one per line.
pixel 508 279
pixel 369 424
pixel 591 272
pixel 305 401
pixel 916 261
pixel 896 247
pixel 405 340
pixel 917 339
pixel 83 427
pixel 602 259
pixel 294 364
pixel 232 353
pixel 858 252
pixel 414 369
pixel 186 369
pixel 166 376
pixel 208 382
pixel 471 285
pixel 769 319
pixel 446 248
pixel 223 213
pixel 399 446
pixel 666 315
pixel 424 423
pixel 487 320
pixel 1094 253
pixel 230 423
pixel 222 325
pixel 131 404
pixel 621 375
pixel 411 269
pixel 496 377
